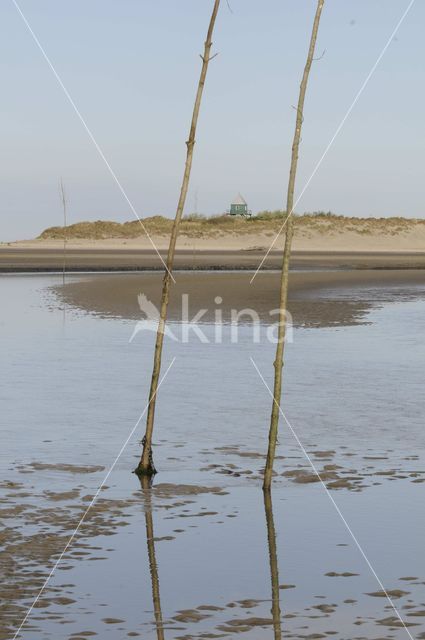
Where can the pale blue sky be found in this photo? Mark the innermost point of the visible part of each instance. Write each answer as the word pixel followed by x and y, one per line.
pixel 132 67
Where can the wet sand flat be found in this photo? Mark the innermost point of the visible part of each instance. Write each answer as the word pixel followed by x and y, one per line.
pixel 33 258
pixel 316 298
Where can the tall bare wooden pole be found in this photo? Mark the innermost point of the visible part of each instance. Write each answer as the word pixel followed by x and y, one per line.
pixel 274 567
pixel 278 363
pixel 146 465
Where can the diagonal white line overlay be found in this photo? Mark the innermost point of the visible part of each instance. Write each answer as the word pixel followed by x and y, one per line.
pixel 90 134
pixel 338 131
pixel 55 566
pixel 357 543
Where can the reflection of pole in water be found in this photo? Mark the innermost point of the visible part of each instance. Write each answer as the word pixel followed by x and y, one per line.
pixel 274 569
pixel 153 567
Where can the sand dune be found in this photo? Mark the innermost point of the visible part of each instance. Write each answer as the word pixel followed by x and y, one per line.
pixel 313 232
pixel 222 242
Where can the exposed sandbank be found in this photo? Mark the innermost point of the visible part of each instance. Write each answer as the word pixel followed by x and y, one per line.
pixel 320 298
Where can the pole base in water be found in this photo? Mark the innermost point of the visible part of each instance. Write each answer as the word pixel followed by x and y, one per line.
pixel 142 471
pixel 146 466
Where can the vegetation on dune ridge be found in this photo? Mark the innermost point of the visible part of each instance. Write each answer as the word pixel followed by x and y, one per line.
pixel 199 226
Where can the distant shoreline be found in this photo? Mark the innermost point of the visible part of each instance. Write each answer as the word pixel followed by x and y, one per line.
pixel 38 259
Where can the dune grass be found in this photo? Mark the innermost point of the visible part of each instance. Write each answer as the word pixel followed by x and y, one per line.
pixel 199 226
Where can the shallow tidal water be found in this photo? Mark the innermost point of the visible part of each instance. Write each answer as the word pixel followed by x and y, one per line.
pixel 200 554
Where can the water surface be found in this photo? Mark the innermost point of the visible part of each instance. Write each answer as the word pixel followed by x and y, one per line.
pixel 200 555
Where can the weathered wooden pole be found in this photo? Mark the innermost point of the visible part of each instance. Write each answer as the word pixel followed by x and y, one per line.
pixel 146 465
pixel 274 567
pixel 278 363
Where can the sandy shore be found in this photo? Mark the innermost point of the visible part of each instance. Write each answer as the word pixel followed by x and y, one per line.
pixel 98 257
pixel 316 299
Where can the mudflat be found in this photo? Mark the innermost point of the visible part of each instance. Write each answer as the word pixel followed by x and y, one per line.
pixel 38 258
pixel 316 298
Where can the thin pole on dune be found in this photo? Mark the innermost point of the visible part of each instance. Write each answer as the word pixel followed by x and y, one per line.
pixel 63 199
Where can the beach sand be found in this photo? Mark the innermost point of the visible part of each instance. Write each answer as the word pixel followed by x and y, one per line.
pixel 114 256
pixel 320 241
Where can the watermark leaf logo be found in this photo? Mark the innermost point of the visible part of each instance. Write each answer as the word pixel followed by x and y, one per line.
pixel 151 322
